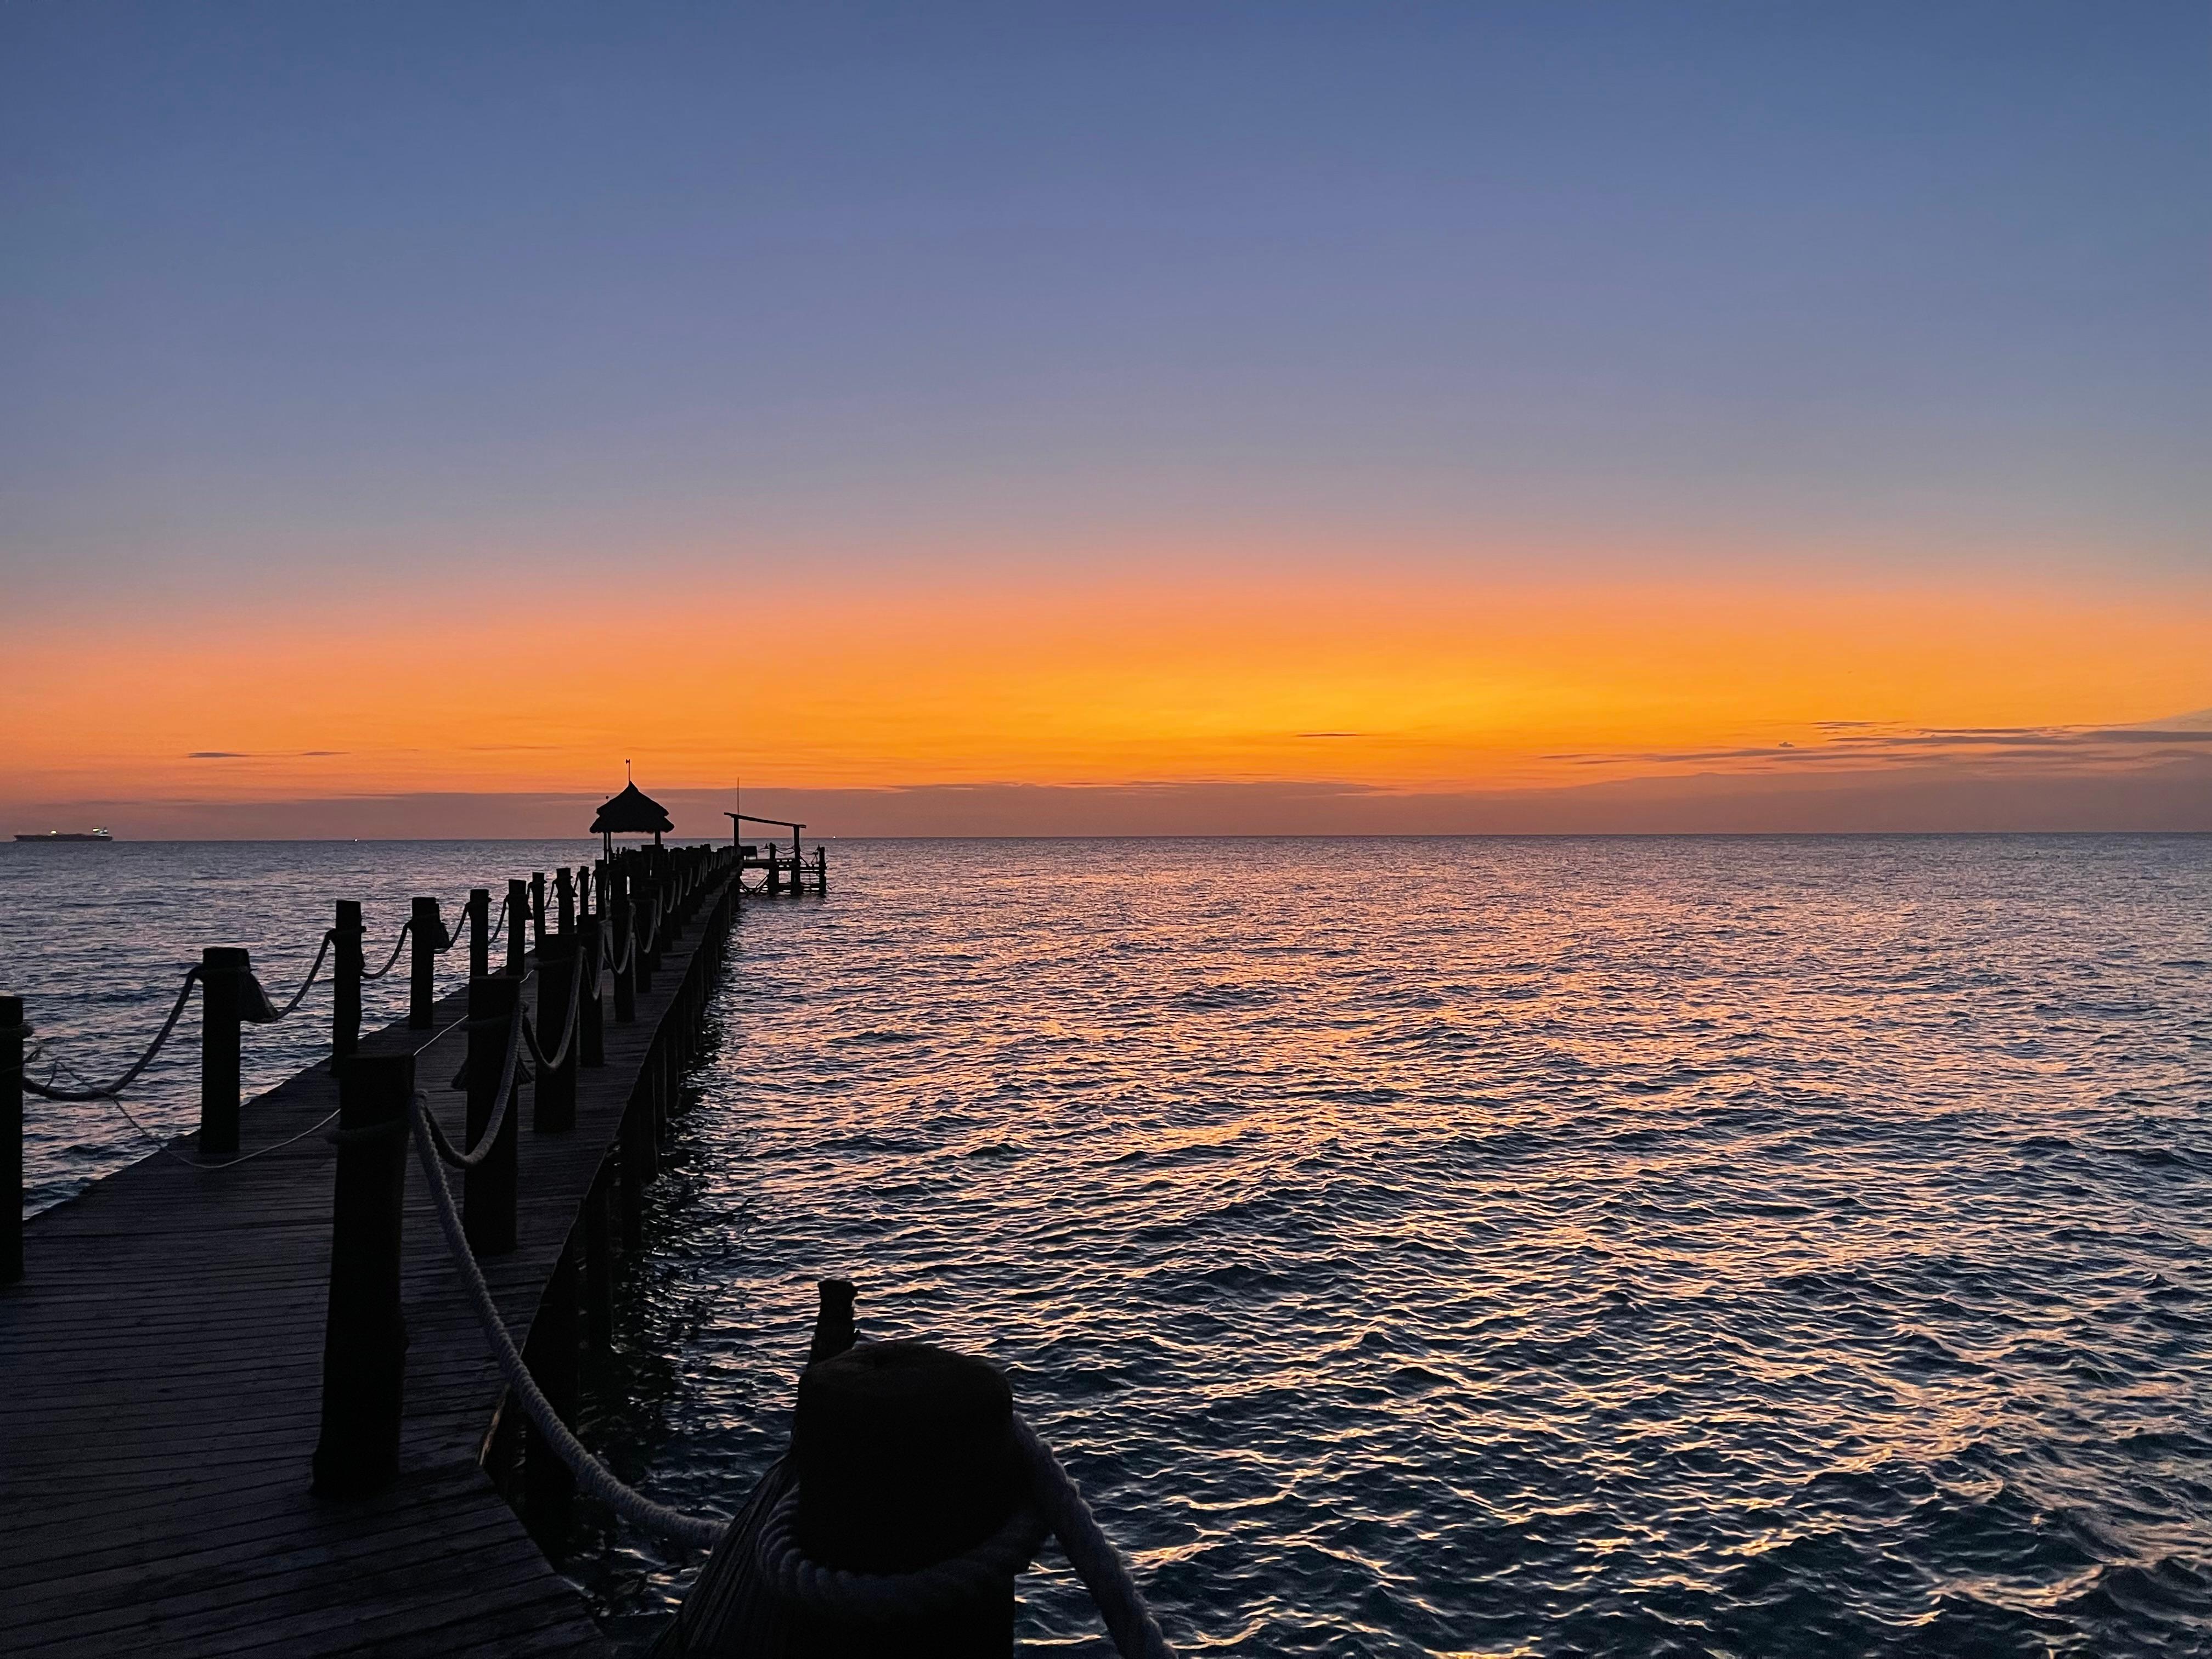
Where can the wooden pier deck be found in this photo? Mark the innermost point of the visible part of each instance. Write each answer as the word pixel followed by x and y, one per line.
pixel 160 1380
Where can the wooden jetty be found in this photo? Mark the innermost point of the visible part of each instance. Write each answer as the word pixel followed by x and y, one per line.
pixel 163 1385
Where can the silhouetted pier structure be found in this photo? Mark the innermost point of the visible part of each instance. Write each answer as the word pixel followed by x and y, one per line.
pixel 252 1386
pixel 789 876
pixel 248 1407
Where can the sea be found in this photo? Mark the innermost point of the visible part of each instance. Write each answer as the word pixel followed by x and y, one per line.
pixel 1731 1246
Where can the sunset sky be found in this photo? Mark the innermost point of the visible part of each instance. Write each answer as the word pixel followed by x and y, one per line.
pixel 995 419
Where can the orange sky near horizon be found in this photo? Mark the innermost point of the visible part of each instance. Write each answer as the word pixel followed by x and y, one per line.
pixel 1403 678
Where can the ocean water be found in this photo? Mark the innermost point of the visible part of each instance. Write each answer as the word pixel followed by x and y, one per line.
pixel 1435 1246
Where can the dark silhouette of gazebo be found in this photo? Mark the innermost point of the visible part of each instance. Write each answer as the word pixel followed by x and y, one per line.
pixel 632 812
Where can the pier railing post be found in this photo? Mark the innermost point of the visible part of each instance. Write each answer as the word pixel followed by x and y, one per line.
pixel 537 909
pixel 12 1033
pixel 488 1191
pixel 649 921
pixel 479 932
pixel 346 969
pixel 625 964
pixel 551 1352
pixel 564 897
pixel 365 1333
pixel 426 939
pixel 517 911
pixel 591 1032
pixel 553 1107
pixel 583 890
pixel 226 970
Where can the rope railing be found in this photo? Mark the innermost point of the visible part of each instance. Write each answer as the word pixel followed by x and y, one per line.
pixel 592 1477
pixel 45 1091
pixel 398 945
pixel 300 995
pixel 560 1054
pixel 489 1137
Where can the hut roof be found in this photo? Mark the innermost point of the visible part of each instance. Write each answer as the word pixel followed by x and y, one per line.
pixel 632 812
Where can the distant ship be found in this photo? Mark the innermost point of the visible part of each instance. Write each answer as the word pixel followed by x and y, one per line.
pixel 69 835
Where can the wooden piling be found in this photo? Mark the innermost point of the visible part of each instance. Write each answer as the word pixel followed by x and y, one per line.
pixel 905 1457
pixel 225 970
pixel 648 923
pixel 553 1101
pixel 599 1261
pixel 479 932
pixel 427 938
pixel 13 1031
pixel 346 969
pixel 488 1191
pixel 517 909
pixel 364 1332
pixel 625 974
pixel 550 1350
pixel 537 909
pixel 564 898
pixel 591 1031
pixel 821 869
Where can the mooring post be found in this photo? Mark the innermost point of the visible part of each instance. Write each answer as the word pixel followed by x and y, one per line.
pixel 564 898
pixel 554 1100
pixel 364 1333
pixel 591 1033
pixel 346 969
pixel 821 868
pixel 12 1033
pixel 517 909
pixel 583 890
pixel 537 909
pixel 550 1351
pixel 618 917
pixel 599 1262
pixel 427 938
pixel 479 932
pixel 775 885
pixel 226 971
pixel 905 1456
pixel 487 1190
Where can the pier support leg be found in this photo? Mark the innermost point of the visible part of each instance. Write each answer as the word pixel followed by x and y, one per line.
pixel 599 1262
pixel 365 1334
pixel 631 1187
pixel 550 1351
pixel 488 1191
pixel 518 912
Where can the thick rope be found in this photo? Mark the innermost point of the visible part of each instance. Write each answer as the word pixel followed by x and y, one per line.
pixel 538 1055
pixel 489 1137
pixel 398 945
pixel 1136 1633
pixel 988 1570
pixel 593 1478
pixel 305 984
pixel 45 1091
